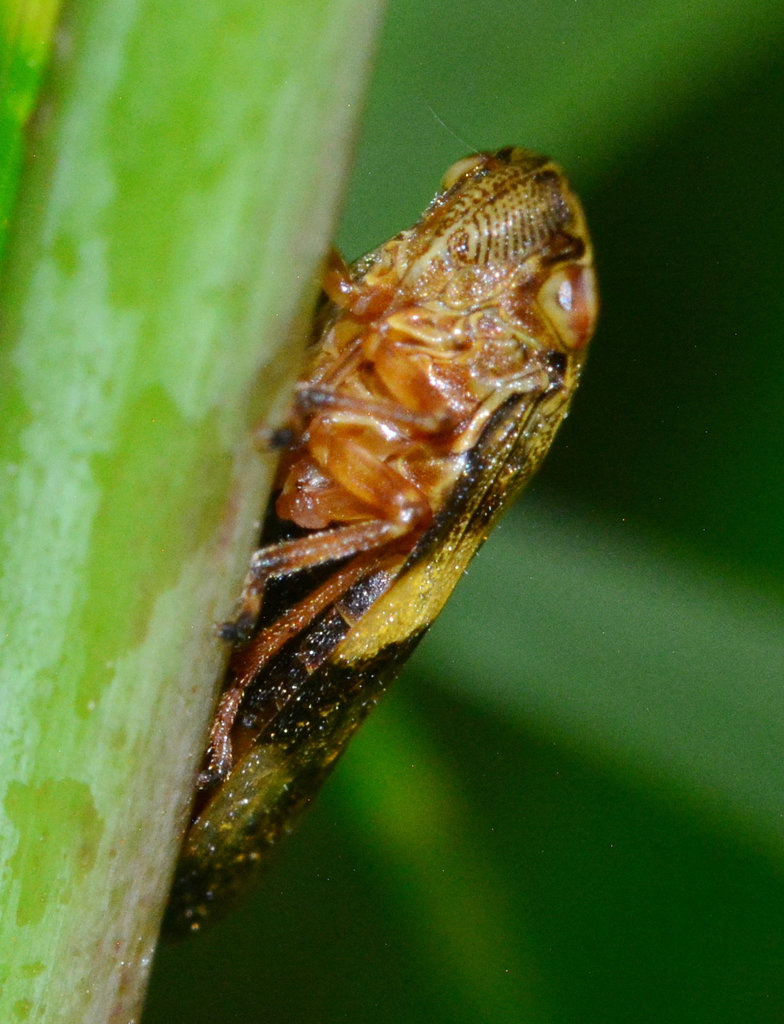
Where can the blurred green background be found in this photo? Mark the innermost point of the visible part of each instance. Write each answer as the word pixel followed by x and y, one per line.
pixel 570 806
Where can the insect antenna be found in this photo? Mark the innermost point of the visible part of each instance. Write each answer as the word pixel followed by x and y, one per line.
pixel 455 134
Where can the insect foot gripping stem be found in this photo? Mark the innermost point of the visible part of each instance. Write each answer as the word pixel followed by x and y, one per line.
pixel 440 369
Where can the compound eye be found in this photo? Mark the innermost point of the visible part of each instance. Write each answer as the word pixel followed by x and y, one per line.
pixel 570 301
pixel 462 168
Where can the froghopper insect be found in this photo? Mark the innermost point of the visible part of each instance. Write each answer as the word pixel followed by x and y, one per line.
pixel 441 365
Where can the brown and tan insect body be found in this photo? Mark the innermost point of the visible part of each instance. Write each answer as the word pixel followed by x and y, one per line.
pixel 491 294
pixel 440 370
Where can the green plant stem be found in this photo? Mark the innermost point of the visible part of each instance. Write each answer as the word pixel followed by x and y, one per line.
pixel 26 30
pixel 179 194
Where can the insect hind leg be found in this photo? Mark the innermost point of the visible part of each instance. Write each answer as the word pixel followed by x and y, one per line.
pixel 291 556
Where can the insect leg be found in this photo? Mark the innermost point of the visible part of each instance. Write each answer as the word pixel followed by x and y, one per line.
pixel 272 439
pixel 310 399
pixel 219 751
pixel 248 661
pixel 291 556
pixel 351 294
